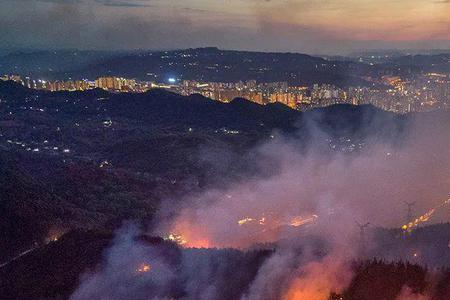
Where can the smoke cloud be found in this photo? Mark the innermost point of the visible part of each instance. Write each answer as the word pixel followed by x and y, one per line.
pixel 125 275
pixel 328 189
pixel 310 213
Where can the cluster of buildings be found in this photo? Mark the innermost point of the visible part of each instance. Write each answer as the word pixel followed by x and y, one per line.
pixel 262 93
pixel 113 84
pixel 424 92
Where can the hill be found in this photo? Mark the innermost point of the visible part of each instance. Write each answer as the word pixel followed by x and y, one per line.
pixel 88 158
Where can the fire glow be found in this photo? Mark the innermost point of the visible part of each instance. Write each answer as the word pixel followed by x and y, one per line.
pixel 143 268
pixel 423 218
pixel 299 221
pixel 296 221
pixel 251 229
pixel 188 235
pixel 176 238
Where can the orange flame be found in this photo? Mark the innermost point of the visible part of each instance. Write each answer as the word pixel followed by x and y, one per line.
pixel 189 235
pixel 143 268
pixel 317 280
pixel 423 218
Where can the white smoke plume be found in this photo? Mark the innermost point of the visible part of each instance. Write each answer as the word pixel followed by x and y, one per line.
pixel 126 274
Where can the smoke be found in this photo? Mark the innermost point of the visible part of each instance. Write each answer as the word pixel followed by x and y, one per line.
pixel 138 267
pixel 331 189
pixel 334 190
pixel 407 294
pixel 294 272
pixel 305 210
pixel 316 280
pixel 133 270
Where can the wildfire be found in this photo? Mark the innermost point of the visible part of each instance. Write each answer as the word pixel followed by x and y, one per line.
pixel 245 221
pixel 188 239
pixel 143 268
pixel 266 227
pixel 54 235
pixel 295 221
pixel 318 279
pixel 423 218
pixel 177 238
pixel 299 221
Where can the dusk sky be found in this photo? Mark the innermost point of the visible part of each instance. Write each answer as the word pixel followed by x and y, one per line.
pixel 322 26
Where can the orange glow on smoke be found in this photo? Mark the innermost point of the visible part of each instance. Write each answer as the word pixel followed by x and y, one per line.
pixel 53 235
pixel 189 235
pixel 318 279
pixel 143 268
pixel 197 243
pixel 299 221
pixel 242 233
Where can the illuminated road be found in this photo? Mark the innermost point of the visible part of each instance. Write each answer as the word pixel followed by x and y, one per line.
pixel 17 257
pixel 423 218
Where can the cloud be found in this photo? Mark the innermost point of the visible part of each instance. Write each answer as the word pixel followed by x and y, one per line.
pixel 118 3
pixel 58 1
pixel 125 3
pixel 302 26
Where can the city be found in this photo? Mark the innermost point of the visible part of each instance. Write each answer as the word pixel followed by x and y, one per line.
pixel 423 92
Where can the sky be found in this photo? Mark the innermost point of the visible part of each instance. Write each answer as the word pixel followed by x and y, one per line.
pixel 314 26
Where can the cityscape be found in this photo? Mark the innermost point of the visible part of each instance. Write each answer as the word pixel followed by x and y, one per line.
pixel 225 150
pixel 423 92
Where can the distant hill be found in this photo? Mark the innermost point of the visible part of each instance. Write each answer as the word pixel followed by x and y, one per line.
pixel 203 64
pixel 47 63
pixel 415 64
pixel 213 64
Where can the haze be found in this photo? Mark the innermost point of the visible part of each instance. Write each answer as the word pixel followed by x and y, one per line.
pixel 323 26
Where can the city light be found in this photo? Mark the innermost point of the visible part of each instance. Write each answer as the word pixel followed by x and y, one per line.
pixel 427 92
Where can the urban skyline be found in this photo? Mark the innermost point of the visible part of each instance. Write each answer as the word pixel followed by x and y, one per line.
pixel 427 92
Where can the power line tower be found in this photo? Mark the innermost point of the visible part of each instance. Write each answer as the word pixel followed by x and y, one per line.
pixel 362 236
pixel 409 212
